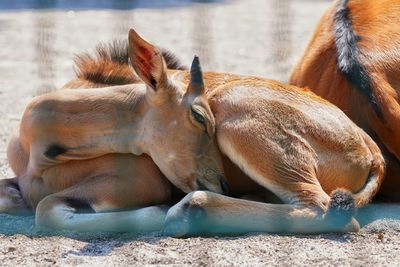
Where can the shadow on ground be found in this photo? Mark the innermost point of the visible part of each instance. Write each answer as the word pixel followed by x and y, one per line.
pixel 97 243
pixel 18 230
pixel 25 225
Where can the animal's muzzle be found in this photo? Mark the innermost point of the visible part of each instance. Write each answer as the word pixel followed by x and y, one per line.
pixel 218 184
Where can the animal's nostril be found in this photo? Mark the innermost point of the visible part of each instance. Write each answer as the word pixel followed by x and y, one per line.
pixel 224 186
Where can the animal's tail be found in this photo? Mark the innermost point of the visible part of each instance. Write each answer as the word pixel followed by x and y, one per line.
pixel 348 55
pixel 375 176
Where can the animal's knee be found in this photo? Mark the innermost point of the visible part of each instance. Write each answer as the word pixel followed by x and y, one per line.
pixel 52 212
pixel 56 211
pixel 193 205
pixel 189 216
pixel 44 211
pixel 196 198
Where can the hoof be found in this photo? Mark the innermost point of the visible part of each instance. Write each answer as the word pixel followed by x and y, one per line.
pixel 12 202
pixel 187 218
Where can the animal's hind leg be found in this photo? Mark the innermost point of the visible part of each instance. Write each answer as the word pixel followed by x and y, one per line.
pixel 207 213
pixel 11 200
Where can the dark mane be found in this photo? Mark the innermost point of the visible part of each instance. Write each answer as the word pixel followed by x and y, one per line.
pixel 109 65
pixel 348 52
pixel 172 60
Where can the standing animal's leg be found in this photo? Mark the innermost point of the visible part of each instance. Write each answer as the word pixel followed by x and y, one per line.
pixel 101 202
pixel 203 212
pixel 11 200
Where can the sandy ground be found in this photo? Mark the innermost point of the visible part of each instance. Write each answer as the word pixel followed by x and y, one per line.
pixel 247 37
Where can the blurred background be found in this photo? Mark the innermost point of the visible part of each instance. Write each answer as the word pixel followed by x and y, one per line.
pixel 39 38
pixel 259 37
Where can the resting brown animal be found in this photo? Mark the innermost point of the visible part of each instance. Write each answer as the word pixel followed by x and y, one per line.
pixel 86 149
pixel 353 60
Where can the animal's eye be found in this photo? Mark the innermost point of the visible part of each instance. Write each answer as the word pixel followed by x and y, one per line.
pixel 198 117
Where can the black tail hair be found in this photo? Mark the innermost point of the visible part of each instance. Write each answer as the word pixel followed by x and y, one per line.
pixel 347 55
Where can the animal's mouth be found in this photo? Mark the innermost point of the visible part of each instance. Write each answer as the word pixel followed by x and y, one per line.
pixel 224 186
pixel 201 186
pixel 220 187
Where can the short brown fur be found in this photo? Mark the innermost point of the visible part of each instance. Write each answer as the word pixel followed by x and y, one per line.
pixel 270 135
pixel 377 25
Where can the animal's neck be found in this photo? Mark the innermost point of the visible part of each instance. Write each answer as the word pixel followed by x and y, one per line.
pixel 101 121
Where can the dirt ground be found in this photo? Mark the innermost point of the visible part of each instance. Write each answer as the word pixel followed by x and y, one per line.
pixel 247 37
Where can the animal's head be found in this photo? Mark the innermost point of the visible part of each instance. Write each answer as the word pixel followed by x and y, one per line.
pixel 180 127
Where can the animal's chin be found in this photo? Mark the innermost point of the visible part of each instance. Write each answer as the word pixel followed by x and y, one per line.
pixel 194 186
pixel 186 187
pixel 201 186
pixel 212 188
pixel 198 184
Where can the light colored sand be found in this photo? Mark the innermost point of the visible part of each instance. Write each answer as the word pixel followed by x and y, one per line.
pixel 247 37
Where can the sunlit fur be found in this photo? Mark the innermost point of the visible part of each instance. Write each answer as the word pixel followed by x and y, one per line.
pixel 272 138
pixel 353 60
pixel 83 148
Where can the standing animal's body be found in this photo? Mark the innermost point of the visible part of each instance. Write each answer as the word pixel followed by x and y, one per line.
pixel 353 61
pixel 271 136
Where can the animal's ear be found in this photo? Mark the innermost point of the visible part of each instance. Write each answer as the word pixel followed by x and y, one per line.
pixel 196 84
pixel 147 61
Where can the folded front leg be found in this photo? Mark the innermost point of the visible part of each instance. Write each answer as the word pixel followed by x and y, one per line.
pixel 66 213
pixel 11 200
pixel 126 198
pixel 206 213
